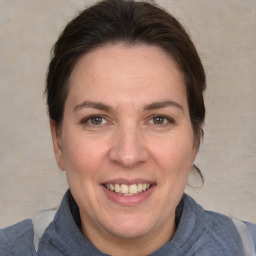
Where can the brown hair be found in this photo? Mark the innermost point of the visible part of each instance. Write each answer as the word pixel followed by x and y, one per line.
pixel 113 21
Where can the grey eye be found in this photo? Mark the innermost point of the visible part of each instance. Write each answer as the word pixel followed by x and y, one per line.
pixel 159 120
pixel 96 120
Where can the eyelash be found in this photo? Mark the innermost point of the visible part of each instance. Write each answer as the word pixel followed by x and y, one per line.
pixel 88 120
pixel 167 120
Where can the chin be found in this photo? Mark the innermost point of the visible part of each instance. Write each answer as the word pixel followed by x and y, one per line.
pixel 130 228
pixel 130 233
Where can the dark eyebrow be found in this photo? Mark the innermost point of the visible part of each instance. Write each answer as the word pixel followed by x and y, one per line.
pixel 90 104
pixel 151 106
pixel 163 104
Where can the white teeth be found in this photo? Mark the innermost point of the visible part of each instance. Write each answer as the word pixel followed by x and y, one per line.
pixel 127 190
pixel 144 187
pixel 112 187
pixel 139 187
pixel 117 188
pixel 133 189
pixel 124 189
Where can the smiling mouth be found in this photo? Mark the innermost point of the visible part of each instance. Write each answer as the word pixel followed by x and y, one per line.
pixel 128 190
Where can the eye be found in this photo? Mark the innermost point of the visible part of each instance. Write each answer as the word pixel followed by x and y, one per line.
pixel 160 120
pixel 94 120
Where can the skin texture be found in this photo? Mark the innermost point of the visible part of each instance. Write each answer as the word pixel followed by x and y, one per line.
pixel 136 135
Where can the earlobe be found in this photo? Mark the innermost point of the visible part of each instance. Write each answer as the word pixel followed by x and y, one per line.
pixel 56 140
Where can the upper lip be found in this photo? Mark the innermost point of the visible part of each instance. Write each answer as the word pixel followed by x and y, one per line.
pixel 129 181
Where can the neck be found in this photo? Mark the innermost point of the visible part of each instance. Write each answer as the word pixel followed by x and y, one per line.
pixel 120 246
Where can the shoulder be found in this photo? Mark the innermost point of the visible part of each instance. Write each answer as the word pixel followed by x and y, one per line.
pixel 241 227
pixel 18 237
pixel 216 232
pixel 212 221
pixel 16 232
pixel 252 229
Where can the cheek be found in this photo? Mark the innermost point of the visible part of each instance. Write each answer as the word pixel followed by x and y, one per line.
pixel 175 151
pixel 82 166
pixel 81 156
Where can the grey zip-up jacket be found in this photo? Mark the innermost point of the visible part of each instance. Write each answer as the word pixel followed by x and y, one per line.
pixel 199 233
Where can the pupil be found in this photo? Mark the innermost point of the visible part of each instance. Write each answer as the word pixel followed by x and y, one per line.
pixel 96 120
pixel 158 120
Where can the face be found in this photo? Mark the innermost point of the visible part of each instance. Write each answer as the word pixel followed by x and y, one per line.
pixel 126 141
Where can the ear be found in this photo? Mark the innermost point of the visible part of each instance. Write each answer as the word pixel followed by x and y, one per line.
pixel 56 140
pixel 197 139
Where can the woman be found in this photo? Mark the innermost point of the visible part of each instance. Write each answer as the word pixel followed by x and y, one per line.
pixel 125 99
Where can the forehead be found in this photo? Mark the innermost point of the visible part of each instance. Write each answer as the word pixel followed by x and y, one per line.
pixel 130 56
pixel 126 71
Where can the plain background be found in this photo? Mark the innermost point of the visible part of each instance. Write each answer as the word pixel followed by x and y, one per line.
pixel 224 32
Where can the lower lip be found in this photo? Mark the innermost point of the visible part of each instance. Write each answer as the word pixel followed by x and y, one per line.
pixel 129 200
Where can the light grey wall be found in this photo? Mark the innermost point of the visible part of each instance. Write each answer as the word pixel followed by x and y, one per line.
pixel 224 32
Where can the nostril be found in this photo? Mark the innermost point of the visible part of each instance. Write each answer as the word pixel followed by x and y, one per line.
pixel 127 164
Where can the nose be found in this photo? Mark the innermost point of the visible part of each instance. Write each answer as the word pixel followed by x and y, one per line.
pixel 128 148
